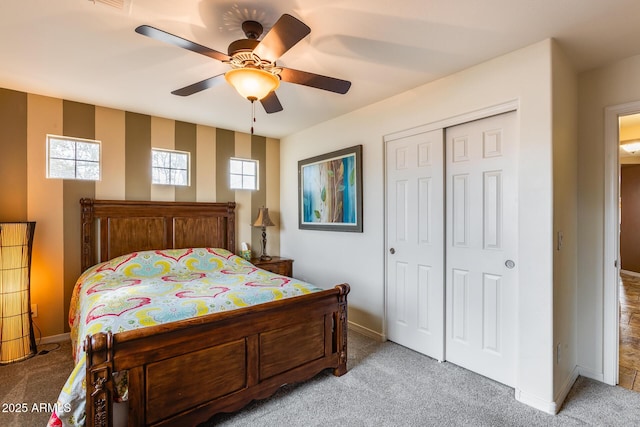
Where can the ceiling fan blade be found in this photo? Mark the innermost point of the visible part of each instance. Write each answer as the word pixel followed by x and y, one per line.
pixel 271 103
pixel 169 38
pixel 200 86
pixel 285 33
pixel 315 80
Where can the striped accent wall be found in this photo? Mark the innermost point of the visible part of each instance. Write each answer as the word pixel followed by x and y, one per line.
pixel 78 120
pixel 126 142
pixel 137 161
pixel 13 161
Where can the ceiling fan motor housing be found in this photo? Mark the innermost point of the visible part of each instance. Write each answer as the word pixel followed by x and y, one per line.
pixel 252 29
pixel 242 45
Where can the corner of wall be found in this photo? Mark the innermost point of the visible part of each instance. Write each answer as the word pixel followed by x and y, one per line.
pixel 603 93
pixel 565 220
pixel 550 407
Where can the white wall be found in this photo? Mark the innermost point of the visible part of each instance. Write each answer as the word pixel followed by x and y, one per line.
pixel 326 258
pixel 565 221
pixel 616 84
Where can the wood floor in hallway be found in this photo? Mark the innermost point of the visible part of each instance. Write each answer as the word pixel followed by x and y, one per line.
pixel 629 357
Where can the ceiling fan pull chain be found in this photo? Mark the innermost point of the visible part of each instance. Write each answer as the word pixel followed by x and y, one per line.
pixel 253 114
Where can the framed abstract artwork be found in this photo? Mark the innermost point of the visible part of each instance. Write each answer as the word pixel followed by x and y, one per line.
pixel 330 191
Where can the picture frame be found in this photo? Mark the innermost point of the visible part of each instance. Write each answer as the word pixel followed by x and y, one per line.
pixel 330 191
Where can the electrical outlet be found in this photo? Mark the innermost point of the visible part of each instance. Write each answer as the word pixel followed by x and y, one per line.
pixel 34 310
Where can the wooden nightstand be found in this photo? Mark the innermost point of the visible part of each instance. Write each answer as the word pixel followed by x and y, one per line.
pixel 282 266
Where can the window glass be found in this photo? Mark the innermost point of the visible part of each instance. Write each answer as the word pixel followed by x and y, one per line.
pixel 170 167
pixel 248 168
pixel 73 158
pixel 243 174
pixel 236 181
pixel 235 166
pixel 249 182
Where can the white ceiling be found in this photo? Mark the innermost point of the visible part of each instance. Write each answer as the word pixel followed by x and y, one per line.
pixel 86 52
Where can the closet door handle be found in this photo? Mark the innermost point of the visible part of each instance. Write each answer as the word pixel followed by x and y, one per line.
pixel 392 251
pixel 509 264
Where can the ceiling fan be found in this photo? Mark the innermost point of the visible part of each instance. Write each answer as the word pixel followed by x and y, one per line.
pixel 254 73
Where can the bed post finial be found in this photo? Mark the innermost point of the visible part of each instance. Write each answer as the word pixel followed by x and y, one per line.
pixel 341 330
pixel 99 379
pixel 86 242
pixel 231 227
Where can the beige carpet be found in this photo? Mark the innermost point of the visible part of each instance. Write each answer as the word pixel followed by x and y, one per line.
pixel 28 389
pixel 387 385
pixel 390 385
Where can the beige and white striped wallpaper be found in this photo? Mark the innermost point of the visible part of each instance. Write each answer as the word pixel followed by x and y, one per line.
pixel 127 139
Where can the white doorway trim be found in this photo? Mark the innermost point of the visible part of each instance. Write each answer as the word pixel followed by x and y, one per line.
pixel 481 113
pixel 611 256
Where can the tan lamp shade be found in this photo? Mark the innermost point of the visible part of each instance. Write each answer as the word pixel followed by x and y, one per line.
pixel 263 219
pixel 17 341
pixel 252 83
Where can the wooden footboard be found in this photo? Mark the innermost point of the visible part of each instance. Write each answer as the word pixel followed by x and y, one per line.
pixel 184 372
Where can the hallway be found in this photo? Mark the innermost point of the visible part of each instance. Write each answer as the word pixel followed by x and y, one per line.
pixel 629 296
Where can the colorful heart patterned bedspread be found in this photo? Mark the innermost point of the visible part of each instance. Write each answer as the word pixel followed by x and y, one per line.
pixel 154 287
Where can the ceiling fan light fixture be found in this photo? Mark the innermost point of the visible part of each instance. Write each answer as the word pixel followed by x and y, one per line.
pixel 252 83
pixel 631 147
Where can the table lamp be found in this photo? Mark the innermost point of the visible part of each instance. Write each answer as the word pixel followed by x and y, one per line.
pixel 263 221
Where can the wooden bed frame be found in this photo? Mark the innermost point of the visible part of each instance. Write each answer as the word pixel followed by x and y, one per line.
pixel 184 372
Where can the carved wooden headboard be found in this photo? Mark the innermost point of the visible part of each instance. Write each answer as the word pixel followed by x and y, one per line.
pixel 111 228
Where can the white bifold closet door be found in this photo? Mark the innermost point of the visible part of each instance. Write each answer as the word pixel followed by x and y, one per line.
pixel 415 240
pixel 452 241
pixel 481 246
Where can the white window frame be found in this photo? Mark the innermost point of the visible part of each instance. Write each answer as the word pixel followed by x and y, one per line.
pixel 188 169
pixel 256 163
pixel 75 158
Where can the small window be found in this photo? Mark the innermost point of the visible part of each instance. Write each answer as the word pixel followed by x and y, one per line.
pixel 170 167
pixel 243 174
pixel 73 158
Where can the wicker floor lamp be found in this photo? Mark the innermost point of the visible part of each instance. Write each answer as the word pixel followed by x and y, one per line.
pixel 17 340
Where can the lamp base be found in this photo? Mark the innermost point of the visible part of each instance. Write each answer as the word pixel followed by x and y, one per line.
pixel 264 256
pixel 29 355
pixel 17 339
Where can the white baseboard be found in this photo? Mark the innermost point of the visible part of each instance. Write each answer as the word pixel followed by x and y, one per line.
pixel 367 332
pixel 587 373
pixel 550 407
pixel 55 338
pixel 566 388
pixel 536 402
